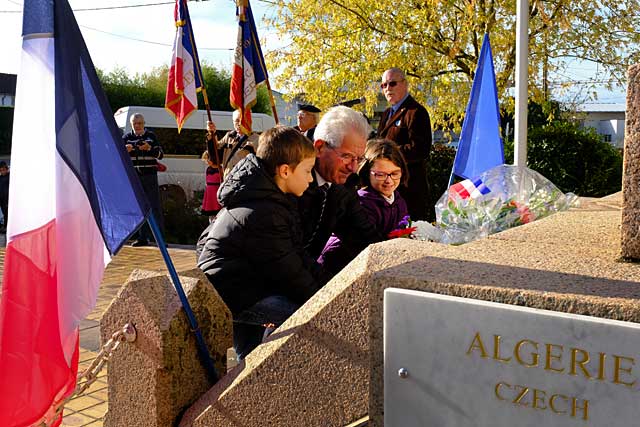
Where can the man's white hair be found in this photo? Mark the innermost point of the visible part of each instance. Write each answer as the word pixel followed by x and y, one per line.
pixel 136 116
pixel 337 122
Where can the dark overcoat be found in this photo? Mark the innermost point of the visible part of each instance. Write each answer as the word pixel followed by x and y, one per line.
pixel 410 128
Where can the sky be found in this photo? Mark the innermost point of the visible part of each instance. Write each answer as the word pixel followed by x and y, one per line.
pixel 138 35
pixel 124 33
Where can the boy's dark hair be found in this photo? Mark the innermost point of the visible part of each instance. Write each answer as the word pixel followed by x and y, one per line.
pixel 3 164
pixel 382 149
pixel 282 145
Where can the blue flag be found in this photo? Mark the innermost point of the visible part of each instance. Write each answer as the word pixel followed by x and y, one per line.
pixel 480 146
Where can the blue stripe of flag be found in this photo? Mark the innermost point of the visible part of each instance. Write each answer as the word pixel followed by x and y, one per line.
pixel 39 20
pixel 188 41
pixel 480 186
pixel 88 139
pixel 251 46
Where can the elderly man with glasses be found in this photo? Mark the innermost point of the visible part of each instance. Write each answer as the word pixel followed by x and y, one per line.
pixel 328 206
pixel 407 123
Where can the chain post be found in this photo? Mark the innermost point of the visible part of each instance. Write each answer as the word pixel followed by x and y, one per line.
pixel 126 334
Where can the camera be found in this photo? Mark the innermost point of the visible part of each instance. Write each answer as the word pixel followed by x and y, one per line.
pixel 142 142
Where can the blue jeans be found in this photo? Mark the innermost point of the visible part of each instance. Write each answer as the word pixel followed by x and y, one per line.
pixel 248 326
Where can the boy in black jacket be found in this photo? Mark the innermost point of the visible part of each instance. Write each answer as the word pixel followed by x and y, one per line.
pixel 253 254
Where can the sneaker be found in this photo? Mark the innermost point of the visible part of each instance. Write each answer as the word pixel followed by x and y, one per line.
pixel 139 243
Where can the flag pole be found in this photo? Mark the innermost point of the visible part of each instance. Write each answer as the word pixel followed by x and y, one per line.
pixel 205 98
pixel 254 35
pixel 272 101
pixel 264 70
pixel 203 351
pixel 451 178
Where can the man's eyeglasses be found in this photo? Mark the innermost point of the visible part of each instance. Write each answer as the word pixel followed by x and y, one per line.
pixel 347 158
pixel 391 83
pixel 382 176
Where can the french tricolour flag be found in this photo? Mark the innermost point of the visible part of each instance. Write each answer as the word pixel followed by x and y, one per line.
pixel 472 188
pixel 75 199
pixel 184 75
pixel 249 70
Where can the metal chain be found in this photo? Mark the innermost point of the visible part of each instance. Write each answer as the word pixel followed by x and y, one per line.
pixel 126 334
pixel 90 375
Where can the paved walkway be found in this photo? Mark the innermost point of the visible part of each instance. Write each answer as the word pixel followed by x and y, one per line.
pixel 89 409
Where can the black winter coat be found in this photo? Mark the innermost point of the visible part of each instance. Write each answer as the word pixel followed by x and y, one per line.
pixel 254 248
pixel 342 216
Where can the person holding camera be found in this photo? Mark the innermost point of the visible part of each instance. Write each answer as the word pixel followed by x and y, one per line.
pixel 144 150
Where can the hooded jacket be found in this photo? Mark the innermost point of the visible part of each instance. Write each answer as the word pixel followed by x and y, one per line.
pixel 254 248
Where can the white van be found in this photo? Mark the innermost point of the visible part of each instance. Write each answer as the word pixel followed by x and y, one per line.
pixel 182 152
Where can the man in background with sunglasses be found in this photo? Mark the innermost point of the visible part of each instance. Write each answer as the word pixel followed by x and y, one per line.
pixel 407 123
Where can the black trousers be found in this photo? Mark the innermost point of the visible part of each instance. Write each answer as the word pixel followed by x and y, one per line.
pixel 150 186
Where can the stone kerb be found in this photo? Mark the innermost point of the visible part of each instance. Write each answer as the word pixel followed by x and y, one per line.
pixel 631 169
pixel 324 366
pixel 313 371
pixel 153 380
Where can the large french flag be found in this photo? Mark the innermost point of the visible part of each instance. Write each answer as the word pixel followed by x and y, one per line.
pixel 249 70
pixel 75 199
pixel 184 75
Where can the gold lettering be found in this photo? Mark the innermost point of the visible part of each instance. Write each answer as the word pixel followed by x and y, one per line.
pixel 575 362
pixel 550 357
pixel 496 349
pixel 617 368
pixel 575 407
pixel 552 403
pixel 538 395
pixel 602 358
pixel 477 344
pixel 522 394
pixel 534 355
pixel 497 390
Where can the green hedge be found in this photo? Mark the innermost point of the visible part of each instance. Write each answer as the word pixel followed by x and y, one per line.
pixel 575 159
pixel 183 222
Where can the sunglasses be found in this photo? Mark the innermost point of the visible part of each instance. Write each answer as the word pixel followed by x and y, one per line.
pixel 392 83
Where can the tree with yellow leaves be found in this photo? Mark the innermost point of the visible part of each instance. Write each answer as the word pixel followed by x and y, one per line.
pixel 338 49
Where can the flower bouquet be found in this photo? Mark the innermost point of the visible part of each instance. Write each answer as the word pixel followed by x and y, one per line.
pixel 500 198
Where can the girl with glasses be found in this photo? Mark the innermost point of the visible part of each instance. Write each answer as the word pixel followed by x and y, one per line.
pixel 382 171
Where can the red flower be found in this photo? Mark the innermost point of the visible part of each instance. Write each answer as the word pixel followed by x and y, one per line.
pixel 526 216
pixel 401 232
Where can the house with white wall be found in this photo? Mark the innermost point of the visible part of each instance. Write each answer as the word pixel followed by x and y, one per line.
pixel 606 119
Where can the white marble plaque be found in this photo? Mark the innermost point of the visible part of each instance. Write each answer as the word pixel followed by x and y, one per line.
pixel 474 363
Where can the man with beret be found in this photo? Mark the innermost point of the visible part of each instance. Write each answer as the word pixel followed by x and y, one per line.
pixel 308 118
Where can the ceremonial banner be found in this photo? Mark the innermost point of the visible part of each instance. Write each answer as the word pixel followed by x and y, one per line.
pixel 75 199
pixel 249 70
pixel 184 79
